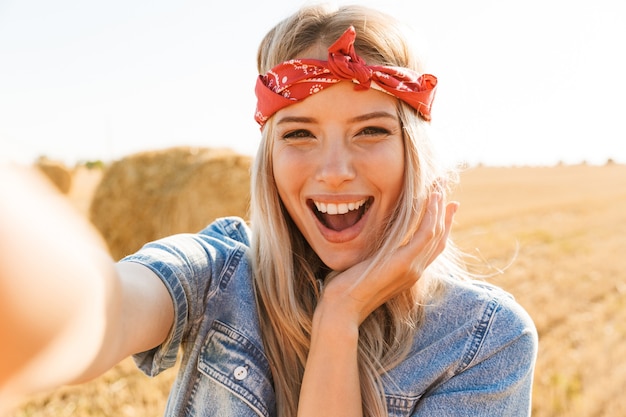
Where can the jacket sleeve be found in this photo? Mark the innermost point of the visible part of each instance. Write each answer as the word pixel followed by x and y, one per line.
pixel 187 264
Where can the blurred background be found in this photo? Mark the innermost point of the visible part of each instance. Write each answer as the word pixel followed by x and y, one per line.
pixel 521 83
pixel 531 97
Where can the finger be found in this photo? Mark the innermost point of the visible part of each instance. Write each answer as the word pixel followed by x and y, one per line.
pixel 434 228
pixel 450 210
pixel 442 215
pixel 439 185
pixel 417 249
pixel 427 242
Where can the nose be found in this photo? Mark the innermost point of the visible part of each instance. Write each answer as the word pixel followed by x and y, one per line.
pixel 336 163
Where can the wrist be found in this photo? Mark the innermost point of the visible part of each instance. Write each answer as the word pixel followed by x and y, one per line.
pixel 335 323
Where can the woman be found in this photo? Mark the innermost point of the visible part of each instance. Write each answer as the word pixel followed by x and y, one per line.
pixel 345 297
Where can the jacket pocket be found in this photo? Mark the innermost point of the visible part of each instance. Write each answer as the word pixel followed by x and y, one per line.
pixel 234 362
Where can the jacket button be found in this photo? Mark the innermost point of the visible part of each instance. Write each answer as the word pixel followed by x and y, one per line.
pixel 241 372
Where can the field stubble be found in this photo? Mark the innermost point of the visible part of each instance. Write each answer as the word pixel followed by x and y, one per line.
pixel 558 234
pixel 562 231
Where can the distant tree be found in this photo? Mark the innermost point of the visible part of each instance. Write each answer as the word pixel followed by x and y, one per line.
pixel 97 164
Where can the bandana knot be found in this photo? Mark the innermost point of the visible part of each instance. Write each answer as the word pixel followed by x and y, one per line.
pixel 345 63
pixel 294 80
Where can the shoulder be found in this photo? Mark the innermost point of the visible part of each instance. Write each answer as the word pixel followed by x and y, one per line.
pixel 475 321
pixel 484 300
pixel 232 228
pixel 197 256
pixel 473 354
pixel 472 334
pixel 477 308
pixel 220 237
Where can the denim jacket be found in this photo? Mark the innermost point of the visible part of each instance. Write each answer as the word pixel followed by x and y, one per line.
pixel 473 355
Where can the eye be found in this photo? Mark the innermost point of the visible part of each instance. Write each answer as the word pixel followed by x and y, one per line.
pixel 298 134
pixel 374 131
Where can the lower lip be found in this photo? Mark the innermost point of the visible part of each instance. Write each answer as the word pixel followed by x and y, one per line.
pixel 344 235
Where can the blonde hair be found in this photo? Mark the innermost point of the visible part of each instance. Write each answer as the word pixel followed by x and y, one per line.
pixel 287 269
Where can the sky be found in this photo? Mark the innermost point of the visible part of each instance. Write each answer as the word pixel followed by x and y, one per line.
pixel 537 82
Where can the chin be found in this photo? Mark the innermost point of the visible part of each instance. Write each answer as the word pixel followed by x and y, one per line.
pixel 340 263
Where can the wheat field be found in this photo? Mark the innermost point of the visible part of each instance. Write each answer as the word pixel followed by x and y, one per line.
pixel 555 237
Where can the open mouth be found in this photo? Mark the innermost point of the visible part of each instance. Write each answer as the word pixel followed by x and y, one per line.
pixel 340 216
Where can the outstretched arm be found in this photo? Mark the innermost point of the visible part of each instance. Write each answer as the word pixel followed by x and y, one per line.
pixel 67 312
pixel 331 385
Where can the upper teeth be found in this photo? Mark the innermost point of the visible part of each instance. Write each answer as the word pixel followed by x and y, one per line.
pixel 341 208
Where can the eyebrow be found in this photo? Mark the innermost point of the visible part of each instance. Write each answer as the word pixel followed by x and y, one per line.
pixel 359 118
pixel 374 115
pixel 295 119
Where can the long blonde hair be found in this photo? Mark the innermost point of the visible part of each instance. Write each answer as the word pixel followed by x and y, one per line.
pixel 287 269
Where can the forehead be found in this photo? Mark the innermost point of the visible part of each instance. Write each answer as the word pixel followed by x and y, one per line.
pixel 343 100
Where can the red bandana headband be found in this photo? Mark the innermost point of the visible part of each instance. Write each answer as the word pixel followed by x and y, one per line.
pixel 293 81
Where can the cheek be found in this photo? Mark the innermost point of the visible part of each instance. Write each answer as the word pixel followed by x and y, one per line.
pixel 285 170
pixel 393 180
pixel 397 177
pixel 393 188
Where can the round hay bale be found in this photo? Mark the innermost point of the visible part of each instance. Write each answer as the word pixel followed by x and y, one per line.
pixel 153 194
pixel 57 173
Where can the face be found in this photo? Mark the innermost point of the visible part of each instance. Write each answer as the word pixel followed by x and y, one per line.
pixel 338 160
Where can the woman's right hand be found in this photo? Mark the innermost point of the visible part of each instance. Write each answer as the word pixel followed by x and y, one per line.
pixel 331 383
pixel 363 288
